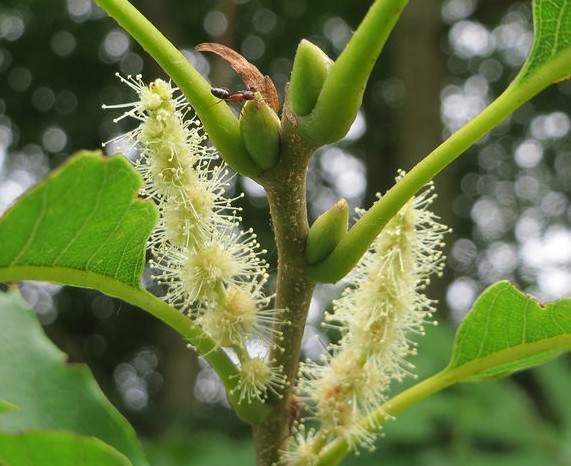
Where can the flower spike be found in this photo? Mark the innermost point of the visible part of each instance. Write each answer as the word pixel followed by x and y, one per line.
pixel 213 271
pixel 376 315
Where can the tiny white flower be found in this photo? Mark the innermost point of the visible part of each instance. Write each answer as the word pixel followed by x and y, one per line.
pixel 376 316
pixel 258 377
pixel 303 448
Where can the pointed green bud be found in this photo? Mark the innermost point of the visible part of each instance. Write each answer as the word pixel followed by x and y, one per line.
pixel 310 68
pixel 260 127
pixel 326 232
pixel 342 91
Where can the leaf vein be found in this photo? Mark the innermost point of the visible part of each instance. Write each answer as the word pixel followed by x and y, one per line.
pixel 92 213
pixel 35 228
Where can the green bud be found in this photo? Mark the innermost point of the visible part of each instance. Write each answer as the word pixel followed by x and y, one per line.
pixel 326 232
pixel 310 68
pixel 342 91
pixel 260 128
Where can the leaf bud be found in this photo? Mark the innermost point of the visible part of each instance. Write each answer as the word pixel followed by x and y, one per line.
pixel 326 232
pixel 260 128
pixel 310 68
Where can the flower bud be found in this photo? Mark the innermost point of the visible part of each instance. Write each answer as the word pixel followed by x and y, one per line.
pixel 260 128
pixel 310 68
pixel 326 232
pixel 342 89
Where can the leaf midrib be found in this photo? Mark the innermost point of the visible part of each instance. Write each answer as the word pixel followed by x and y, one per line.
pixel 509 355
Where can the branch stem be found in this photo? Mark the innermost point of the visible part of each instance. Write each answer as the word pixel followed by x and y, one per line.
pixel 358 239
pixel 219 122
pixel 285 185
pixel 142 299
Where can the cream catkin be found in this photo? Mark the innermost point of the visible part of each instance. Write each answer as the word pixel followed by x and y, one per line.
pixel 212 270
pixel 376 316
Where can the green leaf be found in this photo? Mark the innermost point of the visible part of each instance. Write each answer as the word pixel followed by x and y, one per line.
pixel 199 449
pixel 84 217
pixel 56 448
pixel 49 393
pixel 5 406
pixel 508 331
pixel 554 382
pixel 552 36
pixel 85 226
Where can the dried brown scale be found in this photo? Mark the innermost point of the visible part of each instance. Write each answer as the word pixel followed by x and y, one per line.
pixel 250 74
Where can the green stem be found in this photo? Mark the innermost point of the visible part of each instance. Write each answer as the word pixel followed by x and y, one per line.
pixel 342 92
pixel 219 122
pixel 216 357
pixel 363 233
pixel 336 450
pixel 286 189
pixel 242 353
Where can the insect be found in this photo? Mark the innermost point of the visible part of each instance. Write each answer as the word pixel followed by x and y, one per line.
pixel 223 93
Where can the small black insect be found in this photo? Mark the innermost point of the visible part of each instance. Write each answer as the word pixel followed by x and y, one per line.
pixel 224 93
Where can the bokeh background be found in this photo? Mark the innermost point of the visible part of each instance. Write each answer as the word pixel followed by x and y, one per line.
pixel 507 200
